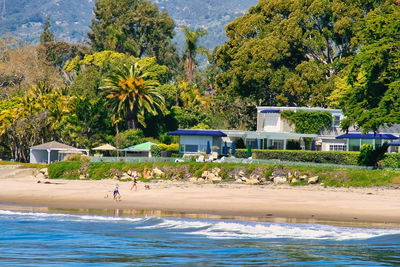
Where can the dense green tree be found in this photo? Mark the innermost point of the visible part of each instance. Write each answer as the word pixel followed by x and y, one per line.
pixel 88 124
pixel 135 27
pixel 46 36
pixel 286 52
pixel 88 72
pixel 370 91
pixel 133 92
pixel 192 49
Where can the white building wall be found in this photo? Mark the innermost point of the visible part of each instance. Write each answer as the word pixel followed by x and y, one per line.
pixel 272 122
pixel 38 156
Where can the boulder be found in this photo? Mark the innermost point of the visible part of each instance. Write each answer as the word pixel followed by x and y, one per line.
pixel 216 179
pixel 257 174
pixel 303 177
pixel 135 174
pixel 201 181
pixel 158 173
pixel 147 174
pixel 297 174
pixel 41 176
pixel 205 174
pixel 125 176
pixel 215 171
pixel 210 176
pixel 239 181
pixel 192 179
pixel 82 177
pixel 252 181
pixel 313 180
pixel 290 175
pixel 45 171
pixel 278 172
pixel 280 180
pixel 294 180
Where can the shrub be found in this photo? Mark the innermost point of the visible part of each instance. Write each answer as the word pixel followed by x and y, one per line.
pixel 157 150
pixel 369 156
pixel 64 169
pixel 128 138
pixel 391 160
pixel 332 157
pixel 77 157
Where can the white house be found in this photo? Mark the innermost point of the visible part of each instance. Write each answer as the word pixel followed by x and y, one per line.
pixel 53 151
pixel 196 141
pixel 275 132
pixel 270 120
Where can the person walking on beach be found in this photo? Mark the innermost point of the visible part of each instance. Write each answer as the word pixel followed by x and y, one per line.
pixel 117 195
pixel 134 184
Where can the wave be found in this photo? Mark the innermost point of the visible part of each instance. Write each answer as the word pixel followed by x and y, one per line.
pixel 218 229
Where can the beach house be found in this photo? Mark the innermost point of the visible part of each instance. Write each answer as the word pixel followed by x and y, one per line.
pixel 53 151
pixel 274 131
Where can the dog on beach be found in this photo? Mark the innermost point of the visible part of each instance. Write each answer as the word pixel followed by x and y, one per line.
pixel 147 187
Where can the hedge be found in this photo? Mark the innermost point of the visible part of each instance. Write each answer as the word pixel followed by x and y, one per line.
pixel 392 160
pixel 332 157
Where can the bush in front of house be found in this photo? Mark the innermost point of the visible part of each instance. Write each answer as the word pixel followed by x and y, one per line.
pixel 391 160
pixel 331 157
pixel 163 150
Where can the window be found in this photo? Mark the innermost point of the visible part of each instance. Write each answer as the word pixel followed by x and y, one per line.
pixel 367 141
pixel 336 120
pixel 191 148
pixel 354 144
pixel 337 148
pixel 277 144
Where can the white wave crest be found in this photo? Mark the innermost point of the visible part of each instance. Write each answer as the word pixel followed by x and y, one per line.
pixel 68 217
pixel 290 231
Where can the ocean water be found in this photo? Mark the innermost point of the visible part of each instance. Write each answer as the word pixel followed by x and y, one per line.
pixel 57 239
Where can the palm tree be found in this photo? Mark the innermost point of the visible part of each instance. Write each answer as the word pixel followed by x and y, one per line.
pixel 192 37
pixel 132 92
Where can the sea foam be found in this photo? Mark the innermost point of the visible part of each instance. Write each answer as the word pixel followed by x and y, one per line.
pixel 218 229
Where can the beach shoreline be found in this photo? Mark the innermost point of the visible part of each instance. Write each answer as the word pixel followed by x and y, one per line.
pixel 304 203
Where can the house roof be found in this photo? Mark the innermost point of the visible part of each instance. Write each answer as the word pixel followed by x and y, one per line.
pixel 270 111
pixel 395 128
pixel 140 147
pixel 198 133
pixel 53 145
pixel 397 143
pixel 367 136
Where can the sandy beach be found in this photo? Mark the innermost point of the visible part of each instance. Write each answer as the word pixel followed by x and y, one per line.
pixel 19 186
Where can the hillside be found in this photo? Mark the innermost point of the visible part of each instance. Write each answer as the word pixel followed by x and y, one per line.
pixel 70 18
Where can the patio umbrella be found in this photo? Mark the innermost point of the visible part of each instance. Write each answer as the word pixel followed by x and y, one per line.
pixel 248 154
pixel 208 150
pixel 256 144
pixel 233 148
pixel 225 152
pixel 106 147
